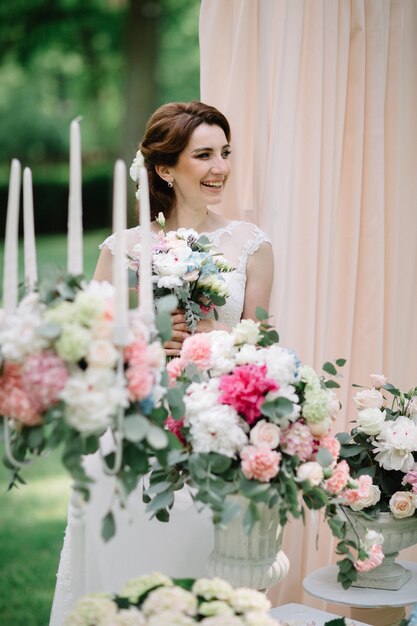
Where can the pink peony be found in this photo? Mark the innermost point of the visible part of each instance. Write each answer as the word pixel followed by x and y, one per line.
pixel 196 349
pixel 331 444
pixel 176 426
pixel 174 369
pixel 411 479
pixel 260 463
pixel 362 491
pixel 14 401
pixel 43 378
pixel 339 478
pixel 298 439
pixel 245 388
pixel 375 558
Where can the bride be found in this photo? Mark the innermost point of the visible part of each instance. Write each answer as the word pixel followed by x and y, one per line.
pixel 186 150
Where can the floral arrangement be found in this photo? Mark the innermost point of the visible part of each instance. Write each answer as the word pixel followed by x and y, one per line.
pixel 252 420
pixel 185 265
pixel 157 600
pixel 382 449
pixel 63 381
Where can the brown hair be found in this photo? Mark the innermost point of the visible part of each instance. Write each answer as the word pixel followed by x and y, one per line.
pixel 166 135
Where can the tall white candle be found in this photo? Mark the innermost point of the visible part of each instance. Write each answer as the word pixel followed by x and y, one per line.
pixel 31 272
pixel 11 244
pixel 120 277
pixel 145 259
pixel 75 225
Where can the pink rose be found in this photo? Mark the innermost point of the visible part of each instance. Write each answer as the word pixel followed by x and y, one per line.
pixel 245 389
pixel 411 479
pixel 378 380
pixel 369 399
pixel 174 369
pixel 361 492
pixel 260 463
pixel 265 433
pixel 403 504
pixel 196 349
pixel 375 558
pixel 338 480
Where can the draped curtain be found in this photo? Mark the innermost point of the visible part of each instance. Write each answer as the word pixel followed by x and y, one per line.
pixel 322 100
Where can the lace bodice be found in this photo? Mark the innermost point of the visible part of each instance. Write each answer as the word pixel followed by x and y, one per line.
pixel 237 241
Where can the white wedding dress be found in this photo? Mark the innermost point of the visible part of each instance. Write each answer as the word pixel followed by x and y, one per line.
pixel 178 548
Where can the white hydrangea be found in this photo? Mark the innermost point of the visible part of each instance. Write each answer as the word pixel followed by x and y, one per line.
pixel 213 589
pixel 170 599
pixel 170 618
pixel 216 607
pixel 395 444
pixel 245 600
pixel 217 430
pixel 316 404
pixel 92 398
pixel 73 343
pixel 136 587
pixel 18 335
pixel 125 617
pixel 223 352
pixel 246 332
pixel 90 305
pixel 282 364
pixel 223 620
pixel 200 397
pixel 91 609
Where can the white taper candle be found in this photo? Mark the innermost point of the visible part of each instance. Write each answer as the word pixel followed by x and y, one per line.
pixel 31 271
pixel 75 224
pixel 11 244
pixel 120 276
pixel 145 259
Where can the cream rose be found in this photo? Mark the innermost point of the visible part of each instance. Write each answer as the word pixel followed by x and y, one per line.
pixel 102 353
pixel 373 497
pixel 321 428
pixel 369 399
pixel 403 504
pixel 265 433
pixel 311 471
pixel 378 380
pixel 370 421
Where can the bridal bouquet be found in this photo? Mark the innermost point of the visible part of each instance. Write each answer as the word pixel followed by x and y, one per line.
pixel 185 265
pixel 382 449
pixel 157 600
pixel 254 421
pixel 63 381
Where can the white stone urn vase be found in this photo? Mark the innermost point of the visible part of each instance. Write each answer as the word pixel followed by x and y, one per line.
pixel 249 560
pixel 398 534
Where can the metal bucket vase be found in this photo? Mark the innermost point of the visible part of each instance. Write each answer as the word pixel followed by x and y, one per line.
pixel 255 560
pixel 398 534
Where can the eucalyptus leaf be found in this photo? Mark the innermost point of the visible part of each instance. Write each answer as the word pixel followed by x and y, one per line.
pixel 49 331
pixel 157 438
pixel 167 304
pixel 340 362
pixel 324 457
pixel 329 368
pixel 161 501
pixel 332 384
pixel 108 526
pixel 136 427
pixel 261 314
pixel 164 325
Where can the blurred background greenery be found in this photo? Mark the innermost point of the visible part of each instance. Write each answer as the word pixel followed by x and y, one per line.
pixel 111 62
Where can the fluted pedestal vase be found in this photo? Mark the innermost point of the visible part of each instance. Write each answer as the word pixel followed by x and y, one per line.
pixel 398 534
pixel 255 560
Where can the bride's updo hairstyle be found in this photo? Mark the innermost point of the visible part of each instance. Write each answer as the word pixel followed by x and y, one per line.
pixel 166 135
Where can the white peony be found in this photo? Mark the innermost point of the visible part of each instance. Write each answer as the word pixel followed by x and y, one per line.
pixel 395 444
pixel 248 353
pixel 201 396
pixel 217 430
pixel 246 332
pixel 370 421
pixel 374 496
pixel 223 352
pixel 282 364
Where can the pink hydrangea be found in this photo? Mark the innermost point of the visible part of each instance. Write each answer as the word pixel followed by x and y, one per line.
pixel 361 492
pixel 176 427
pixel 298 439
pixel 260 463
pixel 331 444
pixel 174 369
pixel 375 558
pixel 245 388
pixel 339 478
pixel 196 349
pixel 411 479
pixel 43 378
pixel 14 401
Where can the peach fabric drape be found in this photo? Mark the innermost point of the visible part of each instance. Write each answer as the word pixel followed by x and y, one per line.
pixel 322 100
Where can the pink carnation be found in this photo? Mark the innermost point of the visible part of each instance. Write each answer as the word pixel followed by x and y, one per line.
pixel 361 492
pixel 298 439
pixel 176 426
pixel 411 479
pixel 196 349
pixel 375 558
pixel 139 382
pixel 245 388
pixel 174 369
pixel 136 353
pixel 260 463
pixel 331 444
pixel 43 378
pixel 14 401
pixel 339 478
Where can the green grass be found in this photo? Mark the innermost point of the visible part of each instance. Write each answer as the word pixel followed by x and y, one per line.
pixel 52 252
pixel 32 523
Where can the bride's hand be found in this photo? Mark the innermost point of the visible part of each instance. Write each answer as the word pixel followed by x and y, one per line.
pixel 207 325
pixel 179 333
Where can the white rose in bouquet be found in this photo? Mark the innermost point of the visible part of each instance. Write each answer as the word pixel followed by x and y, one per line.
pixel 369 399
pixel 403 504
pixel 370 421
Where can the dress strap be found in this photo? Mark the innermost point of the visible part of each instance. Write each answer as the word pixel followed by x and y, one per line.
pixel 252 245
